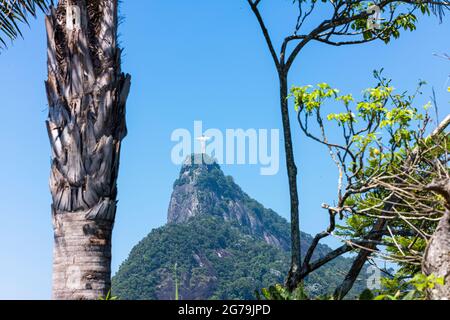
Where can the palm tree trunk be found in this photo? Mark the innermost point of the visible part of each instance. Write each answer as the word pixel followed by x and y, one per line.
pixel 87 94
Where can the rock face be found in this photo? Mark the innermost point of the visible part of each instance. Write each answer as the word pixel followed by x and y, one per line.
pixel 225 244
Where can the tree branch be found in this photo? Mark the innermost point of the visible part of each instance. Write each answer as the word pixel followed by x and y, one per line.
pixel 254 7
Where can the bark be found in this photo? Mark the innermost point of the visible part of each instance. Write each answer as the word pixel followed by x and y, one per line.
pixel 376 235
pixel 293 279
pixel 437 254
pixel 87 94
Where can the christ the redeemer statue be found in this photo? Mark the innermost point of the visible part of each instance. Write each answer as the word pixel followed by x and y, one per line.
pixel 203 139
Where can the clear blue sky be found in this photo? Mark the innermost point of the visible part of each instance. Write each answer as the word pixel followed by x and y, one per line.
pixel 190 60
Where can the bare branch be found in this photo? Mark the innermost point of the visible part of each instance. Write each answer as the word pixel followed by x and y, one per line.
pixel 254 7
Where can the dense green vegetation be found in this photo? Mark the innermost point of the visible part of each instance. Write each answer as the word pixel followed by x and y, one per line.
pixel 215 259
pixel 239 263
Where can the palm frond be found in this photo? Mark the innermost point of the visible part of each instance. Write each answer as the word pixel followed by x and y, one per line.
pixel 16 12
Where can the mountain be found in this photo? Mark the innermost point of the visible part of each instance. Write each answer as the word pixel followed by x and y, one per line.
pixel 225 245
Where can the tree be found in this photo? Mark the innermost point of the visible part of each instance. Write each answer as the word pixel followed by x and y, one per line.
pixel 436 259
pixel 391 172
pixel 13 12
pixel 87 93
pixel 349 22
